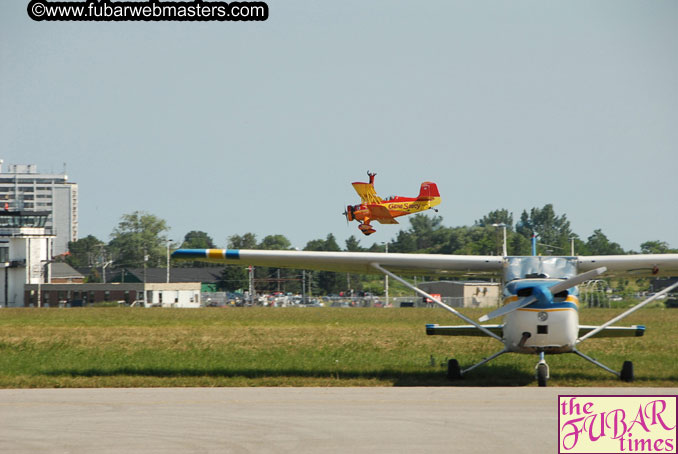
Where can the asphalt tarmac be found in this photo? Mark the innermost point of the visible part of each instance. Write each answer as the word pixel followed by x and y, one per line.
pixel 285 420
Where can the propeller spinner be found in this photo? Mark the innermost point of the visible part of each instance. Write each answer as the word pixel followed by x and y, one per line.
pixel 544 294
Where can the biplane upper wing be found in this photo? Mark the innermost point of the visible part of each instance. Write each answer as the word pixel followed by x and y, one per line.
pixel 353 262
pixel 381 214
pixel 367 193
pixel 635 265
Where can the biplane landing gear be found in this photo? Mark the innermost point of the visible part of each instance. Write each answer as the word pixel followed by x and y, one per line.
pixel 367 229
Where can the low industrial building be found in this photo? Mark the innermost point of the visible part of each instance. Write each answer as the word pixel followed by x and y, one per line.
pixel 174 294
pixel 465 293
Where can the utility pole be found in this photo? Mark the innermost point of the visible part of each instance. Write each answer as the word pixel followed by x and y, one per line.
pixel 145 260
pixel 168 260
pixel 386 279
pixel 303 286
pixel 504 247
pixel 251 287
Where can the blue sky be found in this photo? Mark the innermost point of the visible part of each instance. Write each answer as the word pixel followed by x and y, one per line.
pixel 261 126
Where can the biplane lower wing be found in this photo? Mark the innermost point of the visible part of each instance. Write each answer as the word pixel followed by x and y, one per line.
pixel 381 214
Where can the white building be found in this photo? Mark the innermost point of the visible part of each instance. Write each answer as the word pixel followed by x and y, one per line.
pixel 173 294
pixel 25 251
pixel 465 293
pixel 22 188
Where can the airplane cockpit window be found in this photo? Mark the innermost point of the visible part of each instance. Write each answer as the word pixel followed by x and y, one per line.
pixel 539 267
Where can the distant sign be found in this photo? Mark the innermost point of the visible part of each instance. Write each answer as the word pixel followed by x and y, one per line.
pixel 435 295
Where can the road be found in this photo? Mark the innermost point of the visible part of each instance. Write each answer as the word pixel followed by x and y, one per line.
pixel 282 420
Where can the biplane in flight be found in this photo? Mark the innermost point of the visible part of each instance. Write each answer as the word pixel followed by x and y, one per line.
pixel 540 297
pixel 374 208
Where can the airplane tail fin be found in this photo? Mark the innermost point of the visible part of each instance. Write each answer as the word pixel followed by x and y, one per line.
pixel 429 192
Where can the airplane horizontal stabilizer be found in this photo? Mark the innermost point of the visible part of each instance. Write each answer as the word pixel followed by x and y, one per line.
pixel 613 331
pixel 462 330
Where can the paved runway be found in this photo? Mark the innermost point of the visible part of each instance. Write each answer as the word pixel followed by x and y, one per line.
pixel 282 420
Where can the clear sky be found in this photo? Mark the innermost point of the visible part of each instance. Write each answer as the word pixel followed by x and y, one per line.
pixel 235 127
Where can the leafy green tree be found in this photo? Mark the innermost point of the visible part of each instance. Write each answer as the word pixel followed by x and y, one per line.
pixel 137 234
pixel 196 239
pixel 85 252
pixel 424 234
pixel 266 279
pixel 327 282
pixel 501 216
pixel 599 244
pixel 553 231
pixel 353 244
pixel 233 278
pixel 275 279
pixel 656 247
pixel 246 241
pixel 275 242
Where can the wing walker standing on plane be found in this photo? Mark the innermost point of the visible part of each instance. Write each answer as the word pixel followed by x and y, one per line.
pixel 541 304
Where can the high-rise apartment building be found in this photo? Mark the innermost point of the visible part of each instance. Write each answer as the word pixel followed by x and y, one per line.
pixel 23 188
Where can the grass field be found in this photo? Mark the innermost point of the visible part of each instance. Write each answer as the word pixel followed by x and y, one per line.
pixel 123 347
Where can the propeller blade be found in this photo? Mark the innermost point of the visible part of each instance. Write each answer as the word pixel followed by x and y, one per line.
pixel 554 289
pixel 508 308
pixel 578 279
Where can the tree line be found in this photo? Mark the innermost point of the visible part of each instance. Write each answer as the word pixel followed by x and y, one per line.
pixel 140 240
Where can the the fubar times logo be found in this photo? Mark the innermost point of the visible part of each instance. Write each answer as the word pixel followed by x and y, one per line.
pixel 615 424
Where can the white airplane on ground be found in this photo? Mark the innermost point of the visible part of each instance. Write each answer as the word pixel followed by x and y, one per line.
pixel 540 293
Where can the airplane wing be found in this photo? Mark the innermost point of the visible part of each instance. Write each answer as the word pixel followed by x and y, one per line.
pixel 462 330
pixel 638 265
pixel 613 331
pixel 366 192
pixel 381 214
pixel 353 262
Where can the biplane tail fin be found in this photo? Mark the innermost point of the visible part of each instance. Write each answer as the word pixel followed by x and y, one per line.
pixel 429 192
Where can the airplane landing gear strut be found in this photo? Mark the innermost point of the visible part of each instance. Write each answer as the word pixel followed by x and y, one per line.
pixel 626 373
pixel 542 371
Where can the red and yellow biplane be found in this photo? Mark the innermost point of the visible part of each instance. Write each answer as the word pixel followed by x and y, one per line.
pixel 374 208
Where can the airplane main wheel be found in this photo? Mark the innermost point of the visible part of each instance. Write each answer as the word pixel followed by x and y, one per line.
pixel 542 374
pixel 627 372
pixel 453 370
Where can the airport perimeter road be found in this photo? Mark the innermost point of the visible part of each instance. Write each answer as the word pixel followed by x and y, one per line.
pixel 282 420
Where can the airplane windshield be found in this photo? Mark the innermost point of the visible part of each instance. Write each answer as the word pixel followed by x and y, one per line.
pixel 541 267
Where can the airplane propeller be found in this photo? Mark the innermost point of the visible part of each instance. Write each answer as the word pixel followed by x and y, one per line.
pixel 544 294
pixel 346 213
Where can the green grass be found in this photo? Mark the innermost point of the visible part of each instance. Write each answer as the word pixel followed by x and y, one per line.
pixel 124 347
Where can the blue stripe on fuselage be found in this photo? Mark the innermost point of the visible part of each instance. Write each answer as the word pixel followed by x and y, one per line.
pixel 233 254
